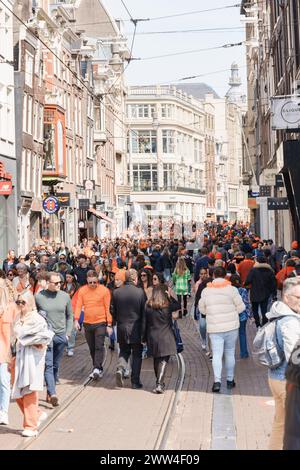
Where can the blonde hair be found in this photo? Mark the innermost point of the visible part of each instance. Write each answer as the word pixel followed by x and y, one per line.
pixel 4 297
pixel 29 299
pixel 181 266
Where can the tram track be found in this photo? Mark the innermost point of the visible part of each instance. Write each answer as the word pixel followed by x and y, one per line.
pixel 164 428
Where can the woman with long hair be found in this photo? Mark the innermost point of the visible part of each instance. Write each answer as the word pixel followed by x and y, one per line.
pixel 8 312
pixel 145 281
pixel 159 333
pixel 32 336
pixel 180 278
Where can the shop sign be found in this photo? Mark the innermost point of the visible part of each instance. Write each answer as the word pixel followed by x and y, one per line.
pixel 89 185
pixel 285 112
pixel 50 205
pixel 64 199
pixel 84 204
pixel 5 188
pixel 279 181
pixel 265 191
pixel 80 224
pixel 278 203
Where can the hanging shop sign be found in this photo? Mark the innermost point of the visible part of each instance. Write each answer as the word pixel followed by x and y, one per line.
pixel 50 205
pixel 265 191
pixel 279 181
pixel 278 203
pixel 5 188
pixel 285 112
pixel 84 204
pixel 64 199
pixel 89 185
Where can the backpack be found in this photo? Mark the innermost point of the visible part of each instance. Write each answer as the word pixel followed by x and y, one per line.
pixel 266 350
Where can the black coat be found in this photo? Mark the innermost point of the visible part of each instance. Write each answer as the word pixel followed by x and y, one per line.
pixel 292 410
pixel 159 331
pixel 129 305
pixel 263 282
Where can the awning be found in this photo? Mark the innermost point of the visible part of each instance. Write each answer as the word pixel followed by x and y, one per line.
pixel 101 215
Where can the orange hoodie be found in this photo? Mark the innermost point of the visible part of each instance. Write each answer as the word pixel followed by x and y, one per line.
pixel 6 321
pixel 96 304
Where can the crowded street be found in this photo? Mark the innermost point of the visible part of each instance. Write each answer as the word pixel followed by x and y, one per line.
pixel 149 229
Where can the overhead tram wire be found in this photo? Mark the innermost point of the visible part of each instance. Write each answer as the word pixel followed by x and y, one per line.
pixel 236 5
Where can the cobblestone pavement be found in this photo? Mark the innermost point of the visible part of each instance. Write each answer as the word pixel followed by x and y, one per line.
pixel 104 417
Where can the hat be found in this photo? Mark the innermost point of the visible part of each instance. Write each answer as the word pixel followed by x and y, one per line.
pixel 218 255
pixel 294 245
pixel 120 275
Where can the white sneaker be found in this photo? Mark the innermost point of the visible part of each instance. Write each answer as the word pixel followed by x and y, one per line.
pixel 3 418
pixel 70 353
pixel 43 416
pixel 96 374
pixel 29 433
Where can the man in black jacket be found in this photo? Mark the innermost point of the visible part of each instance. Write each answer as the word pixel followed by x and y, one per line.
pixel 262 282
pixel 129 303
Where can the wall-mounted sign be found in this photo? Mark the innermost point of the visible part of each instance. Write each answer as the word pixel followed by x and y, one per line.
pixel 100 206
pixel 278 203
pixel 285 112
pixel 255 191
pixel 279 181
pixel 80 224
pixel 64 199
pixel 265 191
pixel 5 188
pixel 84 204
pixel 89 185
pixel 50 205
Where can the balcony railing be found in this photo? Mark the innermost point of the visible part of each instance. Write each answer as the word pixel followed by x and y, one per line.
pixel 176 189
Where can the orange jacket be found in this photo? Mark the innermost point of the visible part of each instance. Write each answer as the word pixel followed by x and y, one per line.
pixel 282 275
pixel 96 304
pixel 244 267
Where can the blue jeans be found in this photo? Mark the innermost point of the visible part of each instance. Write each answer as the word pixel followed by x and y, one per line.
pixel 243 339
pixel 4 387
pixel 72 340
pixel 202 329
pixel 223 343
pixel 53 357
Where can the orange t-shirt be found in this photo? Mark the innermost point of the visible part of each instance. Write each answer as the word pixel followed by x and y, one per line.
pixel 96 304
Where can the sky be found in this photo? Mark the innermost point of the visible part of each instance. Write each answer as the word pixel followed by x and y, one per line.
pixel 171 69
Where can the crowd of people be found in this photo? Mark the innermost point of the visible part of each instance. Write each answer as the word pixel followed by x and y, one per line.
pixel 133 291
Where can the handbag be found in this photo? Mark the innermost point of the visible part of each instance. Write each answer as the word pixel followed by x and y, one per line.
pixel 178 339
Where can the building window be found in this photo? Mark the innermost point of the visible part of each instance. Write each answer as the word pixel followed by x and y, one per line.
pixel 143 141
pixel 197 151
pixel 144 177
pixel 167 110
pixel 28 69
pixel 29 115
pixel 168 137
pixel 169 176
pixel 142 110
pixel 232 197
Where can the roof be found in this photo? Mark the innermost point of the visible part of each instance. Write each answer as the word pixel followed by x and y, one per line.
pixel 198 90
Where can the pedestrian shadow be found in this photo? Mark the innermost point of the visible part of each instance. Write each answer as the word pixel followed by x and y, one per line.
pixel 8 430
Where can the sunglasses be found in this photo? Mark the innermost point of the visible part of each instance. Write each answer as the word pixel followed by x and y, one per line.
pixel 56 283
pixel 20 302
pixel 143 275
pixel 92 282
pixel 10 274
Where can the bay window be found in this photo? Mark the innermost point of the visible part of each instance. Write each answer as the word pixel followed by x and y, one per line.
pixel 143 141
pixel 168 137
pixel 144 177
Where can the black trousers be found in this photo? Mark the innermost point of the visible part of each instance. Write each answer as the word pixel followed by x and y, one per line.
pixel 291 440
pixel 95 336
pixel 135 350
pixel 184 297
pixel 263 308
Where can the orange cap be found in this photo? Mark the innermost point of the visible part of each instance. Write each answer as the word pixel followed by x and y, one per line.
pixel 218 255
pixel 294 245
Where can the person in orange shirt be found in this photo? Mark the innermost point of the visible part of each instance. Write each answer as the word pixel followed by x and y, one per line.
pixel 8 312
pixel 94 298
pixel 244 267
